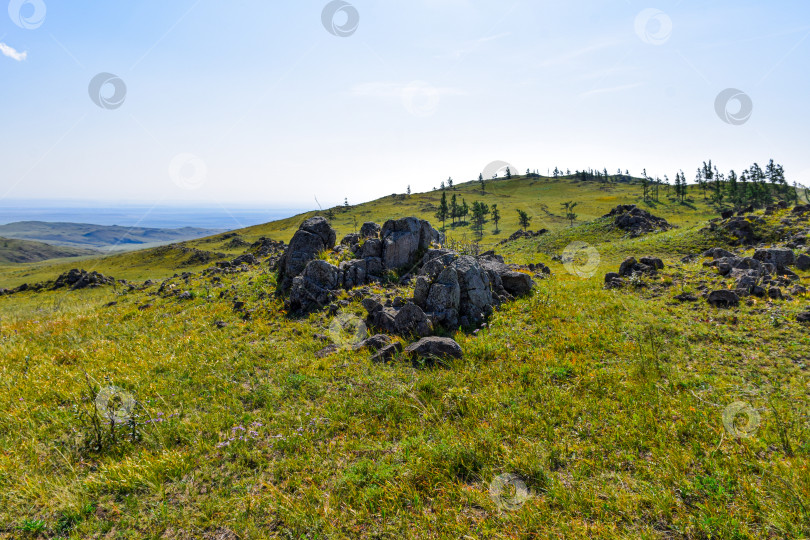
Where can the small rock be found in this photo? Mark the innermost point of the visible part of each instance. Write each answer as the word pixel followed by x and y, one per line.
pixel 723 299
pixel 803 317
pixel 375 343
pixel 435 347
pixel 326 351
pixel 803 262
pixel 387 353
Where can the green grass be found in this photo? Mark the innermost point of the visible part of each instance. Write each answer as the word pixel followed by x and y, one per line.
pixel 607 404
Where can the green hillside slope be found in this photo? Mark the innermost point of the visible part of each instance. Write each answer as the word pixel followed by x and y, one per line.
pixel 23 251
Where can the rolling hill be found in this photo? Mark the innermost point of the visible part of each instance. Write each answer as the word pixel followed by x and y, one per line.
pixel 540 197
pixel 24 251
pixel 99 237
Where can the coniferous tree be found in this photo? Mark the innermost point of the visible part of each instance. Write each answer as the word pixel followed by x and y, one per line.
pixel 496 217
pixel 523 219
pixel 443 211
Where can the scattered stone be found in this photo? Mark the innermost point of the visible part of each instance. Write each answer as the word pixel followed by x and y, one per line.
pixel 326 351
pixel 686 297
pixel 718 253
pixel 723 299
pixel 375 342
pixel 517 235
pixel 220 324
pixel 803 262
pixel 775 293
pixel 387 353
pixel 435 347
pixel 803 317
pixel 631 266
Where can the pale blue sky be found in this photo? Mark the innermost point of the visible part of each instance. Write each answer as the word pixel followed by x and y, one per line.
pixel 277 110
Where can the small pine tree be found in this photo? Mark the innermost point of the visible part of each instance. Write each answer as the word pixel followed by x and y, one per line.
pixel 443 211
pixel 496 217
pixel 523 219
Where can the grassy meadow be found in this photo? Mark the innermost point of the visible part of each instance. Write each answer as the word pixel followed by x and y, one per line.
pixel 608 405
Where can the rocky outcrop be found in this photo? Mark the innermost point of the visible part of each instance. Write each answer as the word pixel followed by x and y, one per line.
pixel 81 279
pixel 635 221
pixel 312 237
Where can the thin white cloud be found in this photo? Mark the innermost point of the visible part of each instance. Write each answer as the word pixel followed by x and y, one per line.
pixel 610 89
pixel 12 53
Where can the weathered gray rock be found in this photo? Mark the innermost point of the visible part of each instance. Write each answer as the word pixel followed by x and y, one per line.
pixel 368 248
pixel 803 317
pixel 781 258
pixel 723 299
pixel 350 239
pixel 370 230
pixel 402 241
pixel 435 347
pixel 312 237
pixel 631 266
pixel 313 288
pixel 358 272
pixel 504 279
pixel 803 262
pixel 717 253
pixel 407 320
pixel 375 343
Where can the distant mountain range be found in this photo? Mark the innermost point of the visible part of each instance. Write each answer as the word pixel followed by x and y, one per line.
pixel 99 237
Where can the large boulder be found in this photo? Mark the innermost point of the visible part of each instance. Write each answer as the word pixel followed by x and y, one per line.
pixel 803 262
pixel 403 240
pixel 781 258
pixel 313 289
pixel 312 237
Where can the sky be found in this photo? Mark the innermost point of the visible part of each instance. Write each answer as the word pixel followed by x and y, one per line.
pixel 299 103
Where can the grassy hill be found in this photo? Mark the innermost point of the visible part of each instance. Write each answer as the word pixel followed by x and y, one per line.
pixel 23 251
pixel 609 406
pixel 99 237
pixel 539 197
